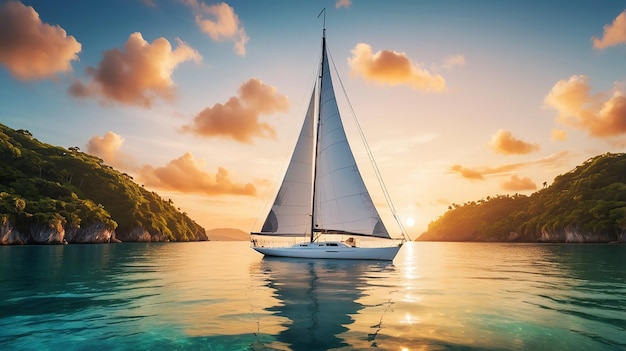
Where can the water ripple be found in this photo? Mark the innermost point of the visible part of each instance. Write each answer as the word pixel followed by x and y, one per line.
pixel 224 296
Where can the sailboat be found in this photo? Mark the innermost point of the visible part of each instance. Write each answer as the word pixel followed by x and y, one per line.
pixel 323 205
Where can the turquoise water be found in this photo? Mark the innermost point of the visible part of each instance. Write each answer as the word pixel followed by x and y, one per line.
pixel 225 296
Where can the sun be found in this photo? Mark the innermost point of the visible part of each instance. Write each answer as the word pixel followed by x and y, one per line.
pixel 409 222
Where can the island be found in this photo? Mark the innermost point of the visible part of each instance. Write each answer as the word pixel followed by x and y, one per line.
pixel 53 195
pixel 585 205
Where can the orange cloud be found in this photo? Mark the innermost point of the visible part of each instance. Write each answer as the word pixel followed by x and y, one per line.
pixel 598 115
pixel 136 75
pixel 185 174
pixel 614 33
pixel 238 118
pixel 31 49
pixel 393 68
pixel 343 3
pixel 224 25
pixel 108 147
pixel 466 172
pixel 559 134
pixel 516 183
pixel 555 160
pixel 503 142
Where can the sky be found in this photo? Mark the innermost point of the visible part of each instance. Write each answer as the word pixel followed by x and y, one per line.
pixel 202 101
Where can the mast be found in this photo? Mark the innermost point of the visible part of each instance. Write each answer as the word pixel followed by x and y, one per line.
pixel 319 124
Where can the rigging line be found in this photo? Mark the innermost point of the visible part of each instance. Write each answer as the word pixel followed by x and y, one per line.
pixel 369 154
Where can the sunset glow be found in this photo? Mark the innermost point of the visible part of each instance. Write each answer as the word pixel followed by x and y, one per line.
pixel 201 101
pixel 409 222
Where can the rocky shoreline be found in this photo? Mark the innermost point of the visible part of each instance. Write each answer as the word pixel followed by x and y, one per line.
pixel 575 235
pixel 569 234
pixel 96 233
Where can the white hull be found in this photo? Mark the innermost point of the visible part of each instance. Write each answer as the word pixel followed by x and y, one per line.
pixel 339 252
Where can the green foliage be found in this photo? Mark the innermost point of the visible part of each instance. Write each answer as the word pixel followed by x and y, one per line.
pixel 41 184
pixel 590 199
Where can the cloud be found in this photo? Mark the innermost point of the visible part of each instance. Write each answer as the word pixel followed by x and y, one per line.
pixel 136 75
pixel 108 147
pixel 187 175
pixel 601 115
pixel 31 49
pixel 559 135
pixel 393 68
pixel 466 172
pixel 479 173
pixel 224 24
pixel 238 118
pixel 503 142
pixel 614 33
pixel 184 174
pixel 454 60
pixel 516 183
pixel 343 3
pixel 555 161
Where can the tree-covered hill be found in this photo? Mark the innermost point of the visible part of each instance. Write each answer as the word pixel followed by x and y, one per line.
pixel 587 204
pixel 49 194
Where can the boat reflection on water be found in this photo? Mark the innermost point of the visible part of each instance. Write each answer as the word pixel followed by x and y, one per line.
pixel 319 298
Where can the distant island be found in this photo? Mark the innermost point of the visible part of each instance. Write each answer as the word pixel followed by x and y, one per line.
pixel 585 205
pixel 53 195
pixel 227 234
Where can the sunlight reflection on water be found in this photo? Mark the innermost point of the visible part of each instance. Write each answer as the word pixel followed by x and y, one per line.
pixel 225 296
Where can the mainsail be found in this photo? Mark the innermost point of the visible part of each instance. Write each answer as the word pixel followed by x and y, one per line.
pixel 342 200
pixel 323 190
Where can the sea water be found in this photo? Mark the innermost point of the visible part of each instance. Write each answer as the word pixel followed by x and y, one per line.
pixel 225 296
